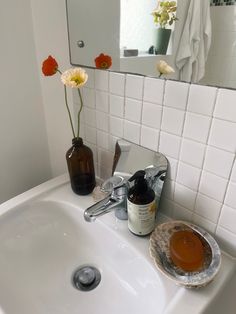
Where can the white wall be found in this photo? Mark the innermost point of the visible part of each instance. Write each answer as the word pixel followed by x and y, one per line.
pixel 24 158
pixel 50 33
pixel 221 64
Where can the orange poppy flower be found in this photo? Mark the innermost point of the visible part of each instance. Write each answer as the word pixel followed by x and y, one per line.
pixel 103 61
pixel 49 66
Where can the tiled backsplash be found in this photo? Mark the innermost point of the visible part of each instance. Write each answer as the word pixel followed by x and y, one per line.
pixel 193 125
pixel 223 2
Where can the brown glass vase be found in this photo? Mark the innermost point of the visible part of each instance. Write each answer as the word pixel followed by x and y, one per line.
pixel 81 167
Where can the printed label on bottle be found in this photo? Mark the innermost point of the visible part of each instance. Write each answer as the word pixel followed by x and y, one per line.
pixel 141 218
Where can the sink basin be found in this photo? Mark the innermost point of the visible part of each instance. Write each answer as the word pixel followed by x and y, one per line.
pixel 44 239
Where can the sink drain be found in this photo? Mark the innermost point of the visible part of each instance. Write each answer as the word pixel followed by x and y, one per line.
pixel 86 278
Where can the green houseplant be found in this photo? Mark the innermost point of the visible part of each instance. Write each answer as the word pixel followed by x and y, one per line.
pixel 164 15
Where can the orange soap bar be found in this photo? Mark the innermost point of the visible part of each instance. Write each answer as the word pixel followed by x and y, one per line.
pixel 186 250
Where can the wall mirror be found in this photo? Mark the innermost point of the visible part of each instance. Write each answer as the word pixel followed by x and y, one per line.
pixel 205 27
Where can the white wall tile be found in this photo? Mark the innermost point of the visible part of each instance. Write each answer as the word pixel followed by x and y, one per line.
pixel 102 102
pixel 204 223
pixel 116 126
pixel 213 186
pixel 233 175
pixel 134 86
pixel 166 206
pixel 172 120
pixel 230 198
pixel 208 207
pixel 221 135
pixel 228 218
pixel 90 134
pixel 117 83
pixel 172 168
pixel 133 110
pixel 102 121
pixel 91 78
pixel 225 105
pixel 182 213
pixel 102 140
pixel 89 97
pixel 218 162
pixel 168 189
pixel 105 158
pixel 132 132
pixel 192 153
pixel 153 90
pixel 151 115
pixel 102 80
pixel 90 116
pixel 184 196
pixel 176 94
pixel 202 99
pixel 188 175
pixel 169 145
pixel 112 143
pixel 197 127
pixel 149 138
pixel 117 106
pixel 226 240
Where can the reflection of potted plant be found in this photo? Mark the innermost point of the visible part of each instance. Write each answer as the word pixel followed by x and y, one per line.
pixel 164 15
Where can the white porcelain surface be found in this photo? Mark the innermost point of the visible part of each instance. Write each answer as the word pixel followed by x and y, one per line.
pixel 116 126
pixel 207 207
pixel 225 105
pixel 169 144
pixel 133 110
pixel 102 80
pixel 172 120
pixel 151 115
pixel 213 186
pixel 102 121
pixel 117 106
pixel 176 94
pixel 134 87
pixel 44 239
pixel 149 138
pixel 117 83
pixel 197 127
pixel 218 162
pixel 132 131
pixel 201 99
pixel 221 135
pixel 153 90
pixel 192 153
pixel 188 176
pixel 102 102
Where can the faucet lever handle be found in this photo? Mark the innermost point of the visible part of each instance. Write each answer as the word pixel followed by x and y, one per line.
pixel 111 183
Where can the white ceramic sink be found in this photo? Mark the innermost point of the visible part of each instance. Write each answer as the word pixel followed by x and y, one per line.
pixel 44 239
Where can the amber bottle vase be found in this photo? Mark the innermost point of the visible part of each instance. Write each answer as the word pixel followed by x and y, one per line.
pixel 81 167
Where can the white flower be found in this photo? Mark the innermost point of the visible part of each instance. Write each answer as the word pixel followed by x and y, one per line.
pixel 164 67
pixel 75 77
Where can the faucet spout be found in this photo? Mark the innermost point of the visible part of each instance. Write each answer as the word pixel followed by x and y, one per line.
pixel 116 200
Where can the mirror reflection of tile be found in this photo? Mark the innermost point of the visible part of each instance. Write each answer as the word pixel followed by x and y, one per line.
pixel 223 2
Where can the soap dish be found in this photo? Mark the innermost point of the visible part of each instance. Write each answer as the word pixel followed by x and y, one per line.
pixel 160 252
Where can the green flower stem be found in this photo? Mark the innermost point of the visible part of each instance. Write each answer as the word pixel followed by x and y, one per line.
pixel 80 109
pixel 67 107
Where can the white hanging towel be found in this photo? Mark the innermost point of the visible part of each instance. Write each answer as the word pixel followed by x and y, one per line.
pixel 194 42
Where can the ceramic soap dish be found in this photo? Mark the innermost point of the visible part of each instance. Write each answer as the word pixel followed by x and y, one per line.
pixel 160 252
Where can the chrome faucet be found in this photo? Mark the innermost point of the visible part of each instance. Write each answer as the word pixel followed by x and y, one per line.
pixel 117 187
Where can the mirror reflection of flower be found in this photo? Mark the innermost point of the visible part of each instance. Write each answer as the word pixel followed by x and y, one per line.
pixel 74 77
pixel 103 61
pixel 165 13
pixel 164 68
